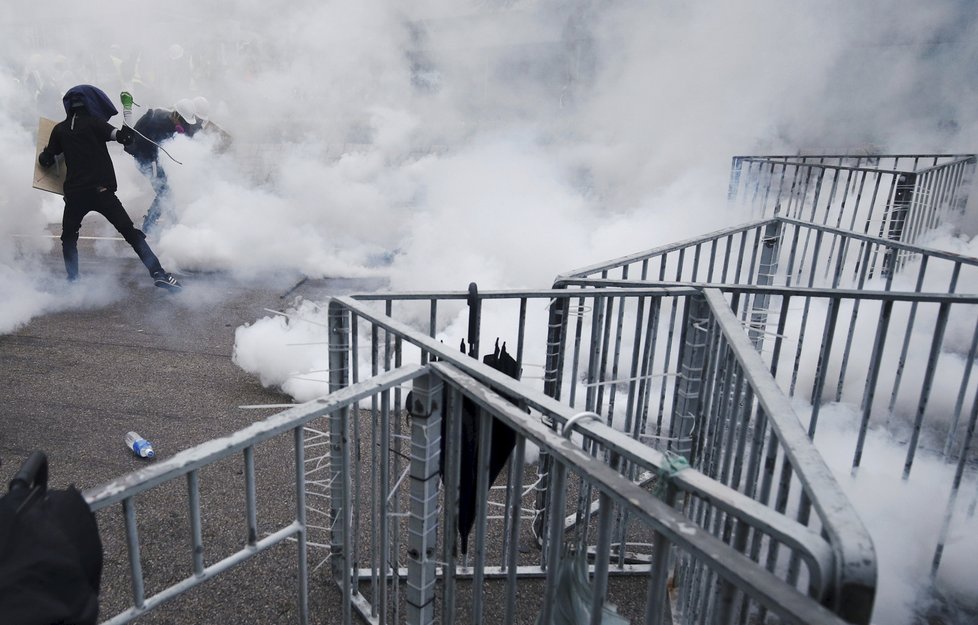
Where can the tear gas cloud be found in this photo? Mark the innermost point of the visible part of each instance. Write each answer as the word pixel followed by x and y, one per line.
pixel 440 143
pixel 380 140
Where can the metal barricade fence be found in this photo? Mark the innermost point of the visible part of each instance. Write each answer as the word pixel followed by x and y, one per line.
pixel 189 464
pixel 891 196
pixel 838 570
pixel 370 501
pixel 897 348
pixel 788 252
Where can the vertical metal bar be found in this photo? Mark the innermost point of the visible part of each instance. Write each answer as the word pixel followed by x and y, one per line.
pixel 376 507
pixel 616 359
pixel 453 446
pixel 633 382
pixel 300 516
pixel 822 365
pixel 792 255
pixel 686 406
pixel 397 435
pixel 969 363
pixel 521 333
pixel 735 166
pixel 850 335
pixel 859 197
pixel 770 250
pixel 575 356
pixel 648 362
pixel 659 573
pixel 196 541
pixel 845 198
pixel 132 542
pixel 956 484
pixel 556 336
pixel 515 507
pixel 603 349
pixel 426 419
pixel 872 377
pixel 340 513
pixel 878 177
pixel 384 514
pixel 935 352
pixel 665 363
pixel 740 257
pixel 713 257
pixel 887 219
pixel 432 326
pixel 475 319
pixel 726 259
pixel 354 349
pixel 481 507
pixel 902 361
pixel 801 345
pixel 602 557
pixel 250 498
pixel 556 333
pixel 554 544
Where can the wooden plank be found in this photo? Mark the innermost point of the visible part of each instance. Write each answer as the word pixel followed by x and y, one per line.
pixel 51 179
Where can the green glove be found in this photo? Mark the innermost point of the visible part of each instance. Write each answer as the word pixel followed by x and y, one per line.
pixel 126 98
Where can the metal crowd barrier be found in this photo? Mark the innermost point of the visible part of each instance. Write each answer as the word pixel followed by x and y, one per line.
pixel 733 537
pixel 788 252
pixel 809 313
pixel 827 556
pixel 871 323
pixel 188 464
pixel 890 196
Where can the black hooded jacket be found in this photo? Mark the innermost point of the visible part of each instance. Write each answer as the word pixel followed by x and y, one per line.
pixel 81 137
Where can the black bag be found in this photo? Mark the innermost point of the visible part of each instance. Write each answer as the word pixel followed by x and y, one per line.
pixel 50 552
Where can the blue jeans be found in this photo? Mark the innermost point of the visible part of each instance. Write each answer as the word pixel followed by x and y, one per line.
pixel 157 178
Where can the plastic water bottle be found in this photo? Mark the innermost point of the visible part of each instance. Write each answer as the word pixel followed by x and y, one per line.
pixel 139 445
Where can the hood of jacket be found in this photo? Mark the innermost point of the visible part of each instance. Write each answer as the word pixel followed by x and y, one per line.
pixel 94 99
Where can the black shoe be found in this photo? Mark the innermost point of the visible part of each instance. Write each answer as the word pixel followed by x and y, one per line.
pixel 166 281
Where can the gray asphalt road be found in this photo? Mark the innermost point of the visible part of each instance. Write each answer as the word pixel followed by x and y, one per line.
pixel 74 382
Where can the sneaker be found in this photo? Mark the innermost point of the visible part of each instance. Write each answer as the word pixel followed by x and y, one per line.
pixel 166 281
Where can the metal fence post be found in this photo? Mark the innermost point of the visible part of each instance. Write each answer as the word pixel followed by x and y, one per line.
pixel 692 363
pixel 552 376
pixel 475 319
pixel 898 213
pixel 340 495
pixel 426 415
pixel 766 270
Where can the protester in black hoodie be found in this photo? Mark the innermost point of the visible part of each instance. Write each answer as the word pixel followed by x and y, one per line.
pixel 90 183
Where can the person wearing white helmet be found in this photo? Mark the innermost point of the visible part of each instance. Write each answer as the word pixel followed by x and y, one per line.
pixel 202 108
pixel 153 128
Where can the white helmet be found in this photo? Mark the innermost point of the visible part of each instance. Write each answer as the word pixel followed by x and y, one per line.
pixel 202 108
pixel 186 110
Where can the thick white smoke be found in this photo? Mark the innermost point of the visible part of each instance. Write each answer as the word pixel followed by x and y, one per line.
pixel 437 143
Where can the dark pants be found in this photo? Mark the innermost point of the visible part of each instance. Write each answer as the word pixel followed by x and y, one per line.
pixel 157 178
pixel 79 204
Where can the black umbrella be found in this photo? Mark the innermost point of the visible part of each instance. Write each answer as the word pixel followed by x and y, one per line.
pixel 502 443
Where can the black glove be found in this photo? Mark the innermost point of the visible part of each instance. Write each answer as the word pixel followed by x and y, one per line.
pixel 46 159
pixel 125 135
